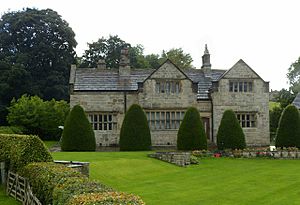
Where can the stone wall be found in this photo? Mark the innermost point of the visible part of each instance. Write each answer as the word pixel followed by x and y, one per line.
pixel 256 101
pixel 178 158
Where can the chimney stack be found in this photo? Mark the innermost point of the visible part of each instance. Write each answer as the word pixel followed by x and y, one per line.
pixel 101 64
pixel 206 66
pixel 124 65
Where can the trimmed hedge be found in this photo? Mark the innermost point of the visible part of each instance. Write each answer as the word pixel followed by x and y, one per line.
pixel 44 176
pixel 19 150
pixel 135 133
pixel 230 134
pixel 191 134
pixel 66 189
pixel 78 134
pixel 11 130
pixel 107 198
pixel 288 132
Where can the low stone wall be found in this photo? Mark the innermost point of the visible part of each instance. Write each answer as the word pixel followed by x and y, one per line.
pixel 178 158
pixel 82 167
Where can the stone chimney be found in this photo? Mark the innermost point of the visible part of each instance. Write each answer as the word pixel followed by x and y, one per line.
pixel 101 64
pixel 124 65
pixel 206 66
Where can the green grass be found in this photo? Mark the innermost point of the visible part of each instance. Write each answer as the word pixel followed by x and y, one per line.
pixel 6 200
pixel 214 181
pixel 50 144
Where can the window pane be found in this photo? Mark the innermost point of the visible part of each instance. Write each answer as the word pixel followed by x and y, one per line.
pixel 157 87
pixel 95 118
pixel 168 120
pixel 105 118
pixel 162 87
pixel 110 126
pixel 230 86
pixel 95 126
pixel 235 87
pixel 105 126
pixel 177 87
pixel 240 86
pixel 100 118
pixel 173 87
pixel 245 87
pixel 250 86
pixel 91 118
pixel 168 87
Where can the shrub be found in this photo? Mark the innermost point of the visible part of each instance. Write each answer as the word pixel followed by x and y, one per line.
pixel 106 198
pixel 78 134
pixel 135 133
pixel 11 130
pixel 288 132
pixel 230 134
pixel 191 134
pixel 20 150
pixel 45 176
pixel 38 117
pixel 65 189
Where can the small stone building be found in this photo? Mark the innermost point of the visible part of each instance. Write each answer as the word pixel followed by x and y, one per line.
pixel 165 94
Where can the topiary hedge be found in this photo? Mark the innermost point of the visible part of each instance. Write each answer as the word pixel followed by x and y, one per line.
pixel 288 132
pixel 230 134
pixel 66 189
pixel 78 134
pixel 191 134
pixel 43 177
pixel 135 133
pixel 106 198
pixel 19 150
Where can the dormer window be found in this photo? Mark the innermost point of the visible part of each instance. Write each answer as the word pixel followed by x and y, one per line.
pixel 240 86
pixel 168 87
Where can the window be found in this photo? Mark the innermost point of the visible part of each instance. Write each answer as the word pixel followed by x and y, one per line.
pixel 240 86
pixel 103 121
pixel 162 120
pixel 167 87
pixel 247 119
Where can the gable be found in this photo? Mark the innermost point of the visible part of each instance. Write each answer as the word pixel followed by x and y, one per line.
pixel 168 71
pixel 241 70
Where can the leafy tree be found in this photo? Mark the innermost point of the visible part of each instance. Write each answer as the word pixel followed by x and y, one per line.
pixel 191 134
pixel 288 132
pixel 275 114
pixel 37 48
pixel 230 134
pixel 178 57
pixel 78 134
pixel 135 133
pixel 285 98
pixel 38 117
pixel 108 49
pixel 293 76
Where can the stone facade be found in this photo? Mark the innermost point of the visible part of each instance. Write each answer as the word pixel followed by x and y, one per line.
pixel 165 94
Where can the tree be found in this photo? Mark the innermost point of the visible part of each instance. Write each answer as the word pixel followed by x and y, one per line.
pixel 108 49
pixel 191 134
pixel 135 133
pixel 285 98
pixel 230 134
pixel 78 134
pixel 38 117
pixel 293 76
pixel 42 45
pixel 275 114
pixel 288 132
pixel 178 57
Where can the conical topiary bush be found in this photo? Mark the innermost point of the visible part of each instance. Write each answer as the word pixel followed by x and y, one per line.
pixel 135 133
pixel 191 134
pixel 230 134
pixel 78 134
pixel 288 132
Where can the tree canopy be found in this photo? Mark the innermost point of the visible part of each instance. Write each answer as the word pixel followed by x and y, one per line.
pixel 110 48
pixel 178 57
pixel 36 50
pixel 293 76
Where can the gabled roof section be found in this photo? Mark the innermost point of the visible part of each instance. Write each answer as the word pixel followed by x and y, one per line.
pixel 163 64
pixel 296 101
pixel 239 66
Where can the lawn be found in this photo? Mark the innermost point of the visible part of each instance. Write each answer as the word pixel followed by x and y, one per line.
pixel 6 200
pixel 214 181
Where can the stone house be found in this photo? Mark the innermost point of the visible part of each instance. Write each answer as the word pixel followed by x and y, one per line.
pixel 165 94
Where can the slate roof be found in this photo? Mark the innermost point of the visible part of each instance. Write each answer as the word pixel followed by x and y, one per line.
pixel 296 101
pixel 91 79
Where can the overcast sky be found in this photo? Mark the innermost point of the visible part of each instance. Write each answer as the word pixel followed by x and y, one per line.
pixel 264 33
